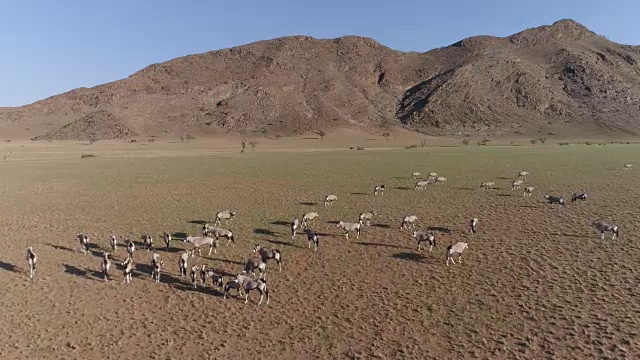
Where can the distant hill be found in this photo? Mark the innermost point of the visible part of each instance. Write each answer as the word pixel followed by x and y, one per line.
pixel 560 78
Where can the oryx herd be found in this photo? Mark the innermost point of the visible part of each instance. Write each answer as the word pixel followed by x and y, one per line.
pixel 252 277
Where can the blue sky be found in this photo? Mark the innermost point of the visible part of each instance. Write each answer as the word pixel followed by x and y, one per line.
pixel 48 47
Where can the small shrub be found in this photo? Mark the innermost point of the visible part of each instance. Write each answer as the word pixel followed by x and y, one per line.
pixel 423 143
pixel 7 141
pixel 243 144
pixel 386 135
pixel 411 146
pixel 151 140
pixel 87 156
pixel 253 145
pixel 483 142
pixel 133 141
pixel 563 143
pixel 321 133
pixel 542 140
pixel 588 142
pixel 360 148
pixel 351 148
pixel 465 142
pixel 533 141
pixel 190 137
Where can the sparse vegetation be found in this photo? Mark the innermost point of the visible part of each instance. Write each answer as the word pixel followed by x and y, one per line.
pixel 253 145
pixel 483 142
pixel 88 156
pixel 465 142
pixel 243 144
pixel 533 141
pixel 190 137
pixel 152 140
pixel 133 141
pixel 386 135
pixel 321 133
pixel 423 143
pixel 542 140
pixel 411 146
pixel 563 143
pixel 264 132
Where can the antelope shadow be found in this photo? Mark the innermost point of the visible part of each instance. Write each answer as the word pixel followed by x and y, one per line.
pixel 267 232
pixel 281 222
pixel 9 267
pixel 198 222
pixel 307 203
pixel 407 256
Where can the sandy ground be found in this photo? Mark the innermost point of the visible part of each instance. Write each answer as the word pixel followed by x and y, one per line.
pixel 535 283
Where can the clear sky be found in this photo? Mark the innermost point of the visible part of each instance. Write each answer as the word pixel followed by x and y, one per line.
pixel 52 46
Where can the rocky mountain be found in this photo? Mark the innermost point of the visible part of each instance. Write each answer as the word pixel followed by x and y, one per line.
pixel 561 78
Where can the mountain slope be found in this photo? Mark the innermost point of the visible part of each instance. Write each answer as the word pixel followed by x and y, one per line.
pixel 561 76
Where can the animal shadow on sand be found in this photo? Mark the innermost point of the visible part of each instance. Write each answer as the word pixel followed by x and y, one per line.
pixel 440 229
pixel 70 269
pixel 359 193
pixel 504 178
pixel 58 247
pixel 198 222
pixel 308 203
pixel 267 232
pixel 228 261
pixel 381 245
pixel 381 226
pixel 281 222
pixel 9 267
pixel 465 188
pixel 506 195
pixel 402 188
pixel 409 256
pixel 204 290
pixel 333 222
pixel 179 236
pixel 279 242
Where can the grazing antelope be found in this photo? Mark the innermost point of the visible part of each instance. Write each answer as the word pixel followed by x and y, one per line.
pixel 32 259
pixel 582 197
pixel 627 166
pixel 217 233
pixel 551 199
pixel 487 185
pixel 147 241
pixel 367 216
pixel 105 264
pixel 310 216
pixel 440 179
pixel 516 184
pixel 182 263
pixel 523 174
pixel 249 284
pixel 528 191
pixel 84 242
pixel 167 239
pixel 253 264
pixel 215 279
pixel 422 184
pixel 226 215
pixel 127 270
pixel 295 224
pixel 267 254
pixel 348 227
pixel 312 237
pixel 232 285
pixel 474 226
pixel 113 243
pixel 379 189
pixel 606 227
pixel 200 241
pixel 194 272
pixel 423 236
pixel 408 221
pixel 329 199
pixel 456 248
pixel 416 175
pixel 154 261
pixel 131 247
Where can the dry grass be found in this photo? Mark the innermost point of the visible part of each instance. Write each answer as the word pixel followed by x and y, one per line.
pixel 536 281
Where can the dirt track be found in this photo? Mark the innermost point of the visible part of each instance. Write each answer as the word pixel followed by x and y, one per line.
pixel 536 282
